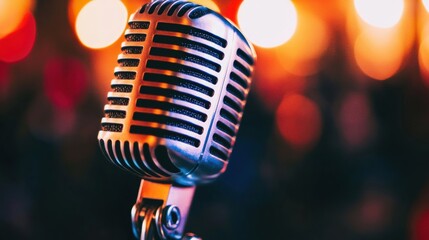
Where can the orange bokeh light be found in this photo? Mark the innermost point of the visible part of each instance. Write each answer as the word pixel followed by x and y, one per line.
pixel 424 58
pixel 301 53
pixel 380 13
pixel 299 121
pixel 101 23
pixel 74 8
pixel 17 45
pixel 12 13
pixel 379 54
pixel 274 24
pixel 426 4
pixel 272 85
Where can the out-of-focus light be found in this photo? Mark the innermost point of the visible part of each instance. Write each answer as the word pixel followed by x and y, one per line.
pixel 299 121
pixel 207 3
pixel 49 123
pixel 74 8
pixel 65 82
pixel 229 9
pixel 17 45
pixel 380 13
pixel 100 23
pixel 272 85
pixel 301 53
pixel 4 80
pixel 11 14
pixel 420 229
pixel 426 4
pixel 372 212
pixel 379 54
pixel 355 120
pixel 424 58
pixel 268 23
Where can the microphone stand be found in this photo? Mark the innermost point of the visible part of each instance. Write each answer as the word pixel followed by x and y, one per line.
pixel 161 211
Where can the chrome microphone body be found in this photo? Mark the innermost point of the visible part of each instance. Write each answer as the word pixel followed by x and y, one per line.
pixel 178 94
pixel 175 107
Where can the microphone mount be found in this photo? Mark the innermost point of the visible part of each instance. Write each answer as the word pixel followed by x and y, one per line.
pixel 174 110
pixel 161 210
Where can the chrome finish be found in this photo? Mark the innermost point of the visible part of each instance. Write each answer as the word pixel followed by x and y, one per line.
pixel 178 94
pixel 161 210
pixel 171 217
pixel 173 113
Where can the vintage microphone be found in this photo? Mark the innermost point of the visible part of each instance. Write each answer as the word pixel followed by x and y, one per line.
pixel 175 107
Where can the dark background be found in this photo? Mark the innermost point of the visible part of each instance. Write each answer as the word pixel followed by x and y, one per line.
pixel 55 183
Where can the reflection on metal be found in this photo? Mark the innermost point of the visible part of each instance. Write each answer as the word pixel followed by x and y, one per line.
pixel 161 211
pixel 175 107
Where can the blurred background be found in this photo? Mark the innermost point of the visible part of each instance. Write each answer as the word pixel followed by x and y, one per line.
pixel 334 142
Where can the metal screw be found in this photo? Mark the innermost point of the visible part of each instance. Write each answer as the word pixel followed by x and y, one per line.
pixel 171 217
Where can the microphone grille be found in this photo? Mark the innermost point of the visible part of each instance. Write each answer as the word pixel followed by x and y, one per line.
pixel 178 89
pixel 232 108
pixel 174 8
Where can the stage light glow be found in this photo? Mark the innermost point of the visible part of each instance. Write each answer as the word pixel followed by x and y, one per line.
pixel 420 223
pixel 65 82
pixel 299 121
pixel 380 13
pixel 4 81
pixel 301 53
pixel 268 23
pixel 424 58
pixel 74 8
pixel 379 54
pixel 426 4
pixel 355 120
pixel 12 14
pixel 275 83
pixel 18 44
pixel 101 22
pixel 207 3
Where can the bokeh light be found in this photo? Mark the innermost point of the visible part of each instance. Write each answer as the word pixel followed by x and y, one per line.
pixel 4 80
pixel 300 55
pixel 272 85
pixel 17 45
pixel 101 22
pixel 355 120
pixel 379 54
pixel 12 13
pixel 74 8
pixel 424 58
pixel 426 4
pixel 420 227
pixel 207 3
pixel 268 23
pixel 380 13
pixel 65 82
pixel 299 121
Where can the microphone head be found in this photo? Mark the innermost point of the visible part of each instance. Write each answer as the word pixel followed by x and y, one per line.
pixel 178 94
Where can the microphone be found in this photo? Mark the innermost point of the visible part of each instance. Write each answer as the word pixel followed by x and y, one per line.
pixel 176 102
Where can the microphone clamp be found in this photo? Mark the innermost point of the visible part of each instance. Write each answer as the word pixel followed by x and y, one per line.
pixel 161 211
pixel 174 109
